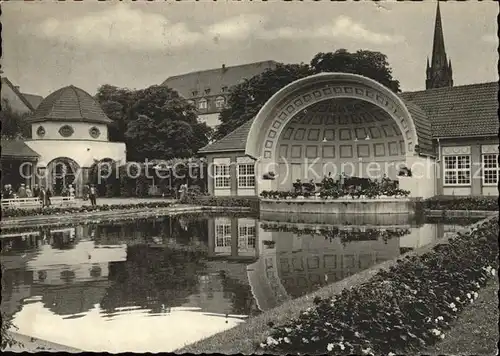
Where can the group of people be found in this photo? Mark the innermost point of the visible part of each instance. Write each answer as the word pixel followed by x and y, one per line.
pixel 25 192
pixel 44 194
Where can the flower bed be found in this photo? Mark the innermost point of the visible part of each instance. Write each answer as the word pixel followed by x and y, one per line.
pixel 461 203
pixel 401 310
pixel 334 194
pixel 16 212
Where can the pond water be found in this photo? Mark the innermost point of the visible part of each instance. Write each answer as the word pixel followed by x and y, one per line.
pixel 157 285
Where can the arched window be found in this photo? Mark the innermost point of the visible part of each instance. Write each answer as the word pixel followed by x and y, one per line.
pixel 220 102
pixel 203 104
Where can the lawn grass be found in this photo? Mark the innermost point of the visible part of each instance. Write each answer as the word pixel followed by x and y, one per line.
pixel 475 332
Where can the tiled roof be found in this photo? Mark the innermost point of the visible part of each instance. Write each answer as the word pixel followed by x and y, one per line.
pixel 234 141
pixel 34 100
pixel 215 79
pixel 6 81
pixel 17 149
pixel 69 104
pixel 423 127
pixel 467 110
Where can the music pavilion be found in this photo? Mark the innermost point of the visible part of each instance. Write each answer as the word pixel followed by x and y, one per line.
pixel 337 122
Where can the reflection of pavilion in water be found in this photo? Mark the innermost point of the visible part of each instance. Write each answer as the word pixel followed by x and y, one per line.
pixel 297 263
pixel 225 265
pixel 61 267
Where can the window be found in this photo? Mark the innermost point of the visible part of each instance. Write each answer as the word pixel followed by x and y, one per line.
pixel 94 132
pixel 66 131
pixel 246 175
pixel 457 170
pixel 202 104
pixel 222 176
pixel 223 235
pixel 246 237
pixel 224 89
pixel 40 131
pixel 490 169
pixel 194 92
pixel 219 102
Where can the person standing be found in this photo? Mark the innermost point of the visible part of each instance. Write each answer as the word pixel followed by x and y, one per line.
pixel 5 192
pixel 42 195
pixel 29 193
pixel 36 190
pixel 21 193
pixel 10 192
pixel 85 192
pixel 48 195
pixel 93 195
pixel 71 190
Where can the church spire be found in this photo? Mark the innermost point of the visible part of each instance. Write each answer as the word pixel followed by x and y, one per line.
pixel 439 74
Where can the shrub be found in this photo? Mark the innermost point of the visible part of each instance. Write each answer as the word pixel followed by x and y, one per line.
pixel 7 339
pixel 400 310
pixel 252 203
pixel 462 203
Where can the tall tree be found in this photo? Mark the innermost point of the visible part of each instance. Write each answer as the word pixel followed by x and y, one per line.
pixel 14 125
pixel 248 97
pixel 155 123
pixel 116 102
pixel 163 125
pixel 370 64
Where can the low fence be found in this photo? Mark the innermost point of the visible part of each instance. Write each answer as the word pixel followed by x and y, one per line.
pixel 36 202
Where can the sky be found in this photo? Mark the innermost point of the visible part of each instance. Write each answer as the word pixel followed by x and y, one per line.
pixel 48 45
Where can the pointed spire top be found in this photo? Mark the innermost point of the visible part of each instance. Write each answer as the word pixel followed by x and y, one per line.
pixel 438 50
pixel 438 74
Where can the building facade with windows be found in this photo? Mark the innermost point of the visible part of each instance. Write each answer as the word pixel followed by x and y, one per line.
pixel 209 90
pixel 338 122
pixel 457 147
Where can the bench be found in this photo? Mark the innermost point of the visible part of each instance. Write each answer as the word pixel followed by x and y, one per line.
pixel 35 202
pixel 21 203
pixel 62 201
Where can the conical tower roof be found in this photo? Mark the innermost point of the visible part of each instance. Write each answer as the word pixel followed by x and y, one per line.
pixel 70 104
pixel 438 50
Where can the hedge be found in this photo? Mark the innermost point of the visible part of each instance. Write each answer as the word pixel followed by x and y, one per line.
pixel 444 202
pixel 120 221
pixel 400 310
pixel 247 202
pixel 16 212
pixel 344 235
